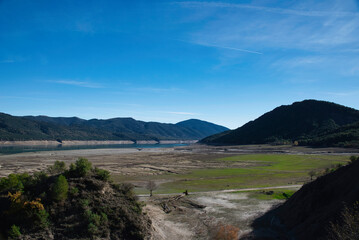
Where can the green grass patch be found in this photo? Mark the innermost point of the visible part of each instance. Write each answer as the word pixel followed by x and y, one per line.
pixel 272 194
pixel 283 162
pixel 258 170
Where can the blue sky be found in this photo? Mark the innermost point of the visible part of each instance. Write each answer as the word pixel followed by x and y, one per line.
pixel 227 62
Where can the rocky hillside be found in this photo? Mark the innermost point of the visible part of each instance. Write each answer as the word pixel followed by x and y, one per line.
pixel 75 203
pixel 47 128
pixel 326 208
pixel 309 122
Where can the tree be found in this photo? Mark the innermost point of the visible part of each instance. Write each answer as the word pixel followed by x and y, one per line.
pixel 311 174
pixel 60 189
pixel 81 167
pixel 151 185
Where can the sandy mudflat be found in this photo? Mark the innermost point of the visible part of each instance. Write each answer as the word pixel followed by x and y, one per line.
pixel 149 161
pixel 36 161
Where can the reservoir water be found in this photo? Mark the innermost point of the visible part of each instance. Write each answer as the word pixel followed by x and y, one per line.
pixel 20 149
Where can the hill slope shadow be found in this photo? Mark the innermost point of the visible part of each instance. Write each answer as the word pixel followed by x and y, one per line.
pixel 309 212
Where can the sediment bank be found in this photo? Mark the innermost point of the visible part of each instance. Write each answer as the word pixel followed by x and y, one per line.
pixel 90 142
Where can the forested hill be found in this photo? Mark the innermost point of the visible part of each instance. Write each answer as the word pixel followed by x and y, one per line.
pixel 309 122
pixel 48 128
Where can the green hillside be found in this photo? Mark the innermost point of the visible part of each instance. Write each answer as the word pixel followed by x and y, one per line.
pixel 309 122
pixel 79 202
pixel 48 128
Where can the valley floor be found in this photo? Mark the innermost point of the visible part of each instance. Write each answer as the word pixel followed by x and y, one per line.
pixel 208 173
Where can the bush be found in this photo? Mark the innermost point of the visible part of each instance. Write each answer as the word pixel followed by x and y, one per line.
pixel 92 229
pixel 27 211
pixel 60 189
pixel 226 232
pixel 81 168
pixel 74 191
pixel 39 177
pixel 102 174
pixel 14 182
pixel 353 159
pixel 14 232
pixel 84 203
pixel 58 167
pixel 347 226
pixel 41 217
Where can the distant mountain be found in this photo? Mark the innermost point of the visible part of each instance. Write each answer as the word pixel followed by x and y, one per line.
pixel 202 128
pixel 307 122
pixel 61 128
pixel 309 212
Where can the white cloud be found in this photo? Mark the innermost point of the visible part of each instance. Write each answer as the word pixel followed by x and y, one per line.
pixel 78 83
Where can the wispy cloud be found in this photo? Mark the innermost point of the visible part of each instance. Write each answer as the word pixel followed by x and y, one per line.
pixel 77 83
pixel 299 62
pixel 310 13
pixel 7 61
pixel 223 47
pixel 244 27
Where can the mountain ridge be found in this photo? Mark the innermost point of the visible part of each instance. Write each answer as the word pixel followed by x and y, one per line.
pixel 299 122
pixel 13 128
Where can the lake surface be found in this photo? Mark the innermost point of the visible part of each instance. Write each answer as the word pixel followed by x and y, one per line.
pixel 21 149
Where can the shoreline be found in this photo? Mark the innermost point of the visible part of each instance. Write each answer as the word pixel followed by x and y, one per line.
pixel 90 142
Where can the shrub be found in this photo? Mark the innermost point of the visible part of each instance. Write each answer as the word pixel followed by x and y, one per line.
pixel 102 174
pixel 84 203
pixel 72 167
pixel 80 169
pixel 42 218
pixel 40 177
pixel 92 229
pixel 347 226
pixel 92 217
pixel 14 232
pixel 27 211
pixel 353 158
pixel 14 182
pixel 58 167
pixel 74 191
pixel 83 166
pixel 60 189
pixel 104 218
pixel 226 232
